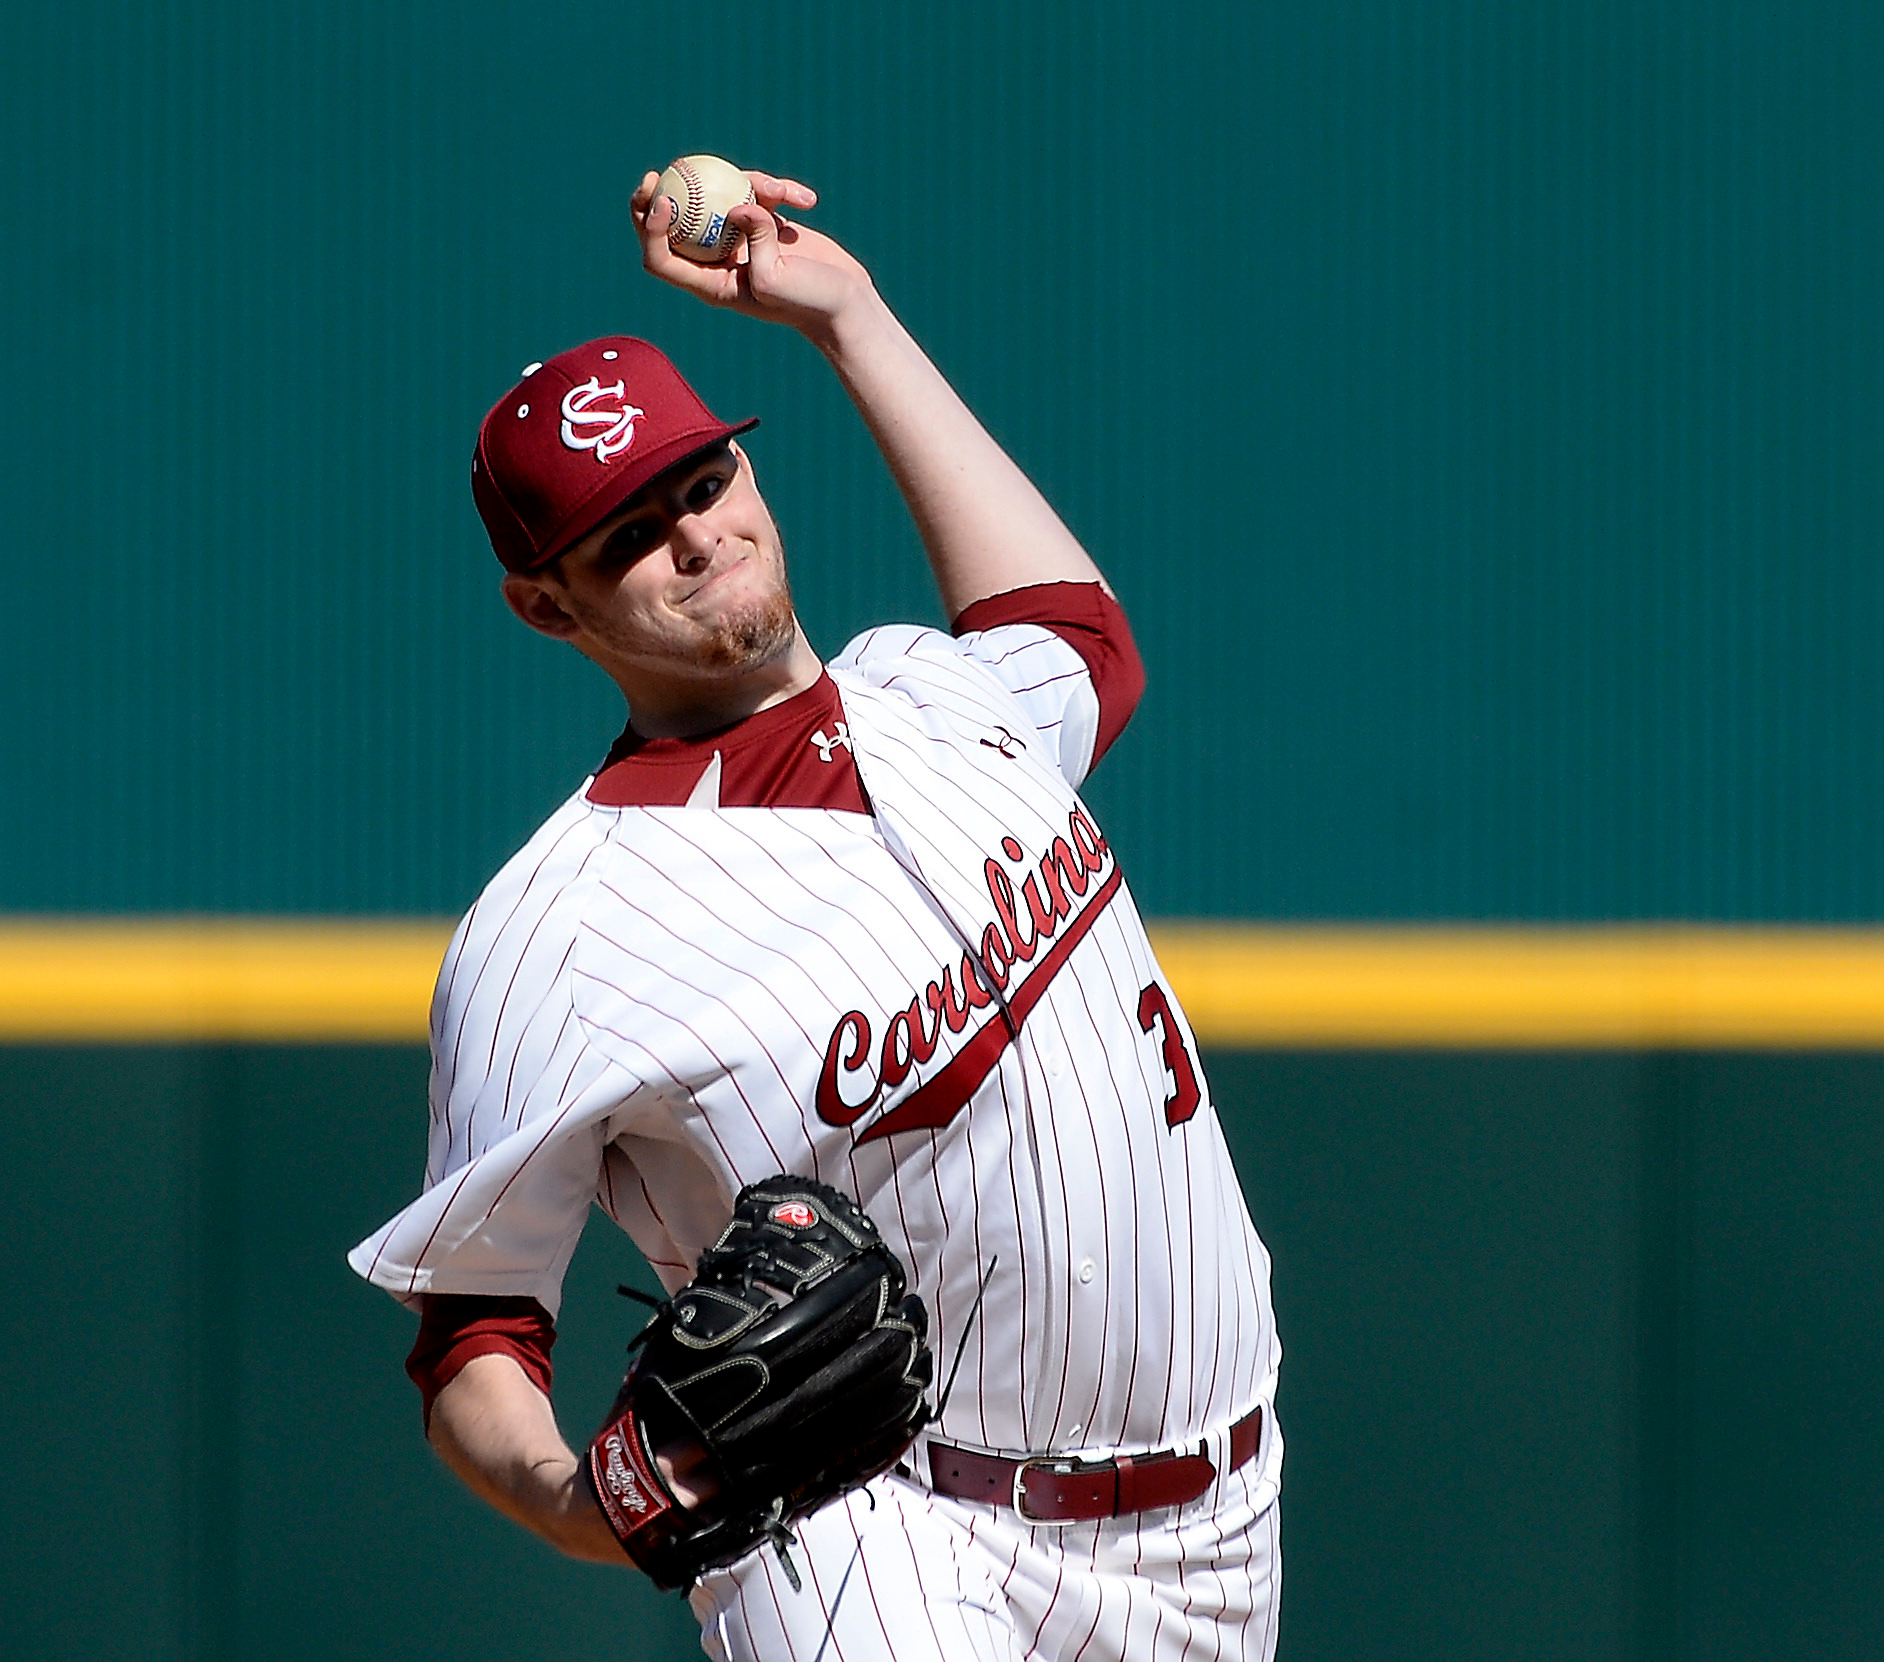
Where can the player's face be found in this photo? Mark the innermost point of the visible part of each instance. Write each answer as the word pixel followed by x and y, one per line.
pixel 686 582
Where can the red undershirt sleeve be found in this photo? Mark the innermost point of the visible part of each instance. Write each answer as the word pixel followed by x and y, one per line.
pixel 454 1327
pixel 1093 624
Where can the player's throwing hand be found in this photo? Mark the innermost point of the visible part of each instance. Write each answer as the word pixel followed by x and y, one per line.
pixel 783 271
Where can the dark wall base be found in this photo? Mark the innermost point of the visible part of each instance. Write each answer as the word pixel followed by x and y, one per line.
pixel 1583 1354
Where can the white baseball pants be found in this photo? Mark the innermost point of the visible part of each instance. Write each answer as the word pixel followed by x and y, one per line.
pixel 917 1577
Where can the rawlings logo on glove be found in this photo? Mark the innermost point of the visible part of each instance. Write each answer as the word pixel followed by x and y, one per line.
pixel 619 1483
pixel 790 1370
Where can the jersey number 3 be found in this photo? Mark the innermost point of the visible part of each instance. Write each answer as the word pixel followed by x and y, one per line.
pixel 1154 1010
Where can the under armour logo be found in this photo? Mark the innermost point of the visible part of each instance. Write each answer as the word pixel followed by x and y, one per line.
pixel 590 424
pixel 827 748
pixel 1004 742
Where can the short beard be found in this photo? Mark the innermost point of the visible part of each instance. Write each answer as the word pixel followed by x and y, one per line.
pixel 753 638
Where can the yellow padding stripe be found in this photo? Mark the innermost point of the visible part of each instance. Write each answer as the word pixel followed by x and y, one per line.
pixel 1608 988
pixel 218 979
pixel 1243 986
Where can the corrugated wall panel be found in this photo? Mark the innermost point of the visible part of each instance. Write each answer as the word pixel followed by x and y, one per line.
pixel 1478 405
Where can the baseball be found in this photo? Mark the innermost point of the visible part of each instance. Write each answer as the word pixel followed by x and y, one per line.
pixel 706 189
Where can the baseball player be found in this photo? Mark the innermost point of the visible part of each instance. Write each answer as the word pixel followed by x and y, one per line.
pixel 851 921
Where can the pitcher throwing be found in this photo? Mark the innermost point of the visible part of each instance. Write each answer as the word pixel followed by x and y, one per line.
pixel 850 922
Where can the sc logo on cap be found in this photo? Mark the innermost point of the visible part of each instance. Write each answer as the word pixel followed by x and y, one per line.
pixel 606 414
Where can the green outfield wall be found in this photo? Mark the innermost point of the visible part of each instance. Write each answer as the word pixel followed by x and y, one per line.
pixel 1582 1354
pixel 1478 405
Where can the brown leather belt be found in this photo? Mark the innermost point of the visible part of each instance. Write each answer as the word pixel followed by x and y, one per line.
pixel 1047 1488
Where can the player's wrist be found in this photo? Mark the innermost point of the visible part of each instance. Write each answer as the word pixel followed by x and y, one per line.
pixel 860 321
pixel 580 1527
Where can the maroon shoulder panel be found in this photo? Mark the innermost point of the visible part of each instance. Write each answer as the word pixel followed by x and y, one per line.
pixel 1093 624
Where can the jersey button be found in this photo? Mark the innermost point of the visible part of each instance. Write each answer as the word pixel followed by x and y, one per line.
pixel 1086 1269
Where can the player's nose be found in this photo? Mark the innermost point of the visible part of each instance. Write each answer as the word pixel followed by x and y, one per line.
pixel 694 542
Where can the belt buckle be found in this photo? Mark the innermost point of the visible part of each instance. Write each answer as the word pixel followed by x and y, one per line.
pixel 1059 1464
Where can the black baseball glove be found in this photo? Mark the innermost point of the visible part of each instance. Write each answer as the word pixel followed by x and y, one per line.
pixel 791 1369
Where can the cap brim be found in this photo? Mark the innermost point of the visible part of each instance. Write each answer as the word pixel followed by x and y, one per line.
pixel 608 497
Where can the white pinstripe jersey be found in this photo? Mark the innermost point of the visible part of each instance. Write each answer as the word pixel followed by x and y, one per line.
pixel 948 1007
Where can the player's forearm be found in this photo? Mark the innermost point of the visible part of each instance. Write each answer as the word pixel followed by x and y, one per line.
pixel 497 1431
pixel 986 528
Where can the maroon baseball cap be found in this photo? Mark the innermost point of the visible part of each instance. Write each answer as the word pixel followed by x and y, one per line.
pixel 578 436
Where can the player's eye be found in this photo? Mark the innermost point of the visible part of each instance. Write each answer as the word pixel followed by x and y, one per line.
pixel 630 541
pixel 707 489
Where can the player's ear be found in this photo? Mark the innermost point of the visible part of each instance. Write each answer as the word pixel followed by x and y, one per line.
pixel 537 606
pixel 746 468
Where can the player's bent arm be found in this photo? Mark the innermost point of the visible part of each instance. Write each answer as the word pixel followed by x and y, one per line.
pixel 986 528
pixel 497 1431
pixel 984 524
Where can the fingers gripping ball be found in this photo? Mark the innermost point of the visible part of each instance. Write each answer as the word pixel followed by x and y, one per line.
pixel 794 1367
pixel 705 189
